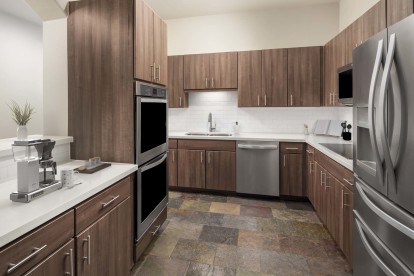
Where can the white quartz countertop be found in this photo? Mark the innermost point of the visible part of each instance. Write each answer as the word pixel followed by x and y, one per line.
pixel 313 140
pixel 6 148
pixel 18 219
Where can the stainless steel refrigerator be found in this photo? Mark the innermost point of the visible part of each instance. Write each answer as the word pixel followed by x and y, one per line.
pixel 383 225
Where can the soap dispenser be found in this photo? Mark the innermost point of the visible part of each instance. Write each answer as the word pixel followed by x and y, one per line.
pixel 236 128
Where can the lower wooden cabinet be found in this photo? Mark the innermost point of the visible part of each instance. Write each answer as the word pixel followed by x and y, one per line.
pixel 105 247
pixel 191 168
pixel 62 262
pixel 291 170
pixel 221 170
pixel 346 217
pixel 172 167
pixel 310 173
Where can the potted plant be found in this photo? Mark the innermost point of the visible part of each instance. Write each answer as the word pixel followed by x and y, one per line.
pixel 21 115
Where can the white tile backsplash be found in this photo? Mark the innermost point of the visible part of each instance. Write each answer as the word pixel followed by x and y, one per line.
pixel 223 106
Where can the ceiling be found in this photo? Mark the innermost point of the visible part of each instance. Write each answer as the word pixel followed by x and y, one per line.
pixel 21 9
pixel 172 9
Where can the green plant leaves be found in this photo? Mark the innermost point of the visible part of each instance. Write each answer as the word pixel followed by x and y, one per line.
pixel 21 115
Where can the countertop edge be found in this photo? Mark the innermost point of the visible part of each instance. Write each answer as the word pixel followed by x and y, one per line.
pixel 33 224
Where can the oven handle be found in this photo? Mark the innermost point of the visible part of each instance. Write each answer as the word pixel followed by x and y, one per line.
pixel 153 100
pixel 154 163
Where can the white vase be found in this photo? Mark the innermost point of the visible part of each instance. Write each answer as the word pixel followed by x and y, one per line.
pixel 21 133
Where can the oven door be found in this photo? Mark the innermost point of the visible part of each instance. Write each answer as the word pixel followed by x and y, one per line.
pixel 152 192
pixel 151 128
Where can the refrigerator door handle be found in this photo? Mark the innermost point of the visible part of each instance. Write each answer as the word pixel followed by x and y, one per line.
pixel 371 111
pixel 362 229
pixel 382 109
pixel 386 217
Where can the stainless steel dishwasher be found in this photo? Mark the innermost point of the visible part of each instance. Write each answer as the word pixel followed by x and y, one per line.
pixel 258 167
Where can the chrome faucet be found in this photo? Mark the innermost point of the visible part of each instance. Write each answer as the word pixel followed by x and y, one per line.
pixel 210 121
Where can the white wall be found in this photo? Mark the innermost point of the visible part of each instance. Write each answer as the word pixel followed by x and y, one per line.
pixel 21 71
pixel 281 28
pixel 55 77
pixel 350 10
pixel 223 106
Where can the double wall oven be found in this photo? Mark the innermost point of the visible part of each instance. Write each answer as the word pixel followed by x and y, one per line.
pixel 151 153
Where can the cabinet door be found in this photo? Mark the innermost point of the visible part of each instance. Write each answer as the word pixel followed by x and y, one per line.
pixel 274 77
pixel 398 10
pixel 191 168
pixel 292 175
pixel 310 174
pixel 318 189
pixel 160 51
pixel 144 42
pixel 221 170
pixel 61 262
pixel 374 20
pixel 223 70
pixel 332 220
pixel 105 247
pixel 249 78
pixel 347 207
pixel 172 167
pixel 339 60
pixel 354 37
pixel 329 69
pixel 176 95
pixel 304 76
pixel 196 71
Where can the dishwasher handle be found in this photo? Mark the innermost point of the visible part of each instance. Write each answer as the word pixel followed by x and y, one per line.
pixel 258 147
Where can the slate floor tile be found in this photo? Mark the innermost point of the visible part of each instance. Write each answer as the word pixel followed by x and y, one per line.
pixel 183 229
pixel 259 240
pixel 298 205
pixel 220 235
pixel 297 215
pixel 195 205
pixel 196 251
pixel 162 246
pixel 278 263
pixel 175 202
pixel 302 246
pixel 240 222
pixel 275 203
pixel 213 219
pixel 158 266
pixel 256 211
pixel 225 208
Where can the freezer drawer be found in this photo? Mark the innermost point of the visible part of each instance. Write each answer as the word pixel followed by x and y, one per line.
pixel 258 168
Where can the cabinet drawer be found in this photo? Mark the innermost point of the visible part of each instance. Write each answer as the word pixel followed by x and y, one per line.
pixel 207 145
pixel 37 245
pixel 172 143
pixel 344 175
pixel 97 206
pixel 292 147
pixel 147 237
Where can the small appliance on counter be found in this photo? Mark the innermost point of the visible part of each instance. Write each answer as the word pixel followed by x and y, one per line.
pixel 36 169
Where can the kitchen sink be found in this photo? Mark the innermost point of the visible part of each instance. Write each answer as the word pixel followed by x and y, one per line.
pixel 208 134
pixel 344 150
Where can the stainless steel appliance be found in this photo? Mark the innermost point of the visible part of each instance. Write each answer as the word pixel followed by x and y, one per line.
pixel 151 154
pixel 151 121
pixel 258 167
pixel 383 229
pixel 48 168
pixel 345 91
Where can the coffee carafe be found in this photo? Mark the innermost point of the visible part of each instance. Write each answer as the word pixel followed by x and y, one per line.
pixel 48 170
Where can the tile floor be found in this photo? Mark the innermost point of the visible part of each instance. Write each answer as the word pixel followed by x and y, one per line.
pixel 219 235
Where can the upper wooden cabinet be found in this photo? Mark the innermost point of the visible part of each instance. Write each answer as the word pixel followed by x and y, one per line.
pixel 150 60
pixel 210 71
pixel 354 37
pixel 176 95
pixel 274 77
pixel 397 10
pixel 249 78
pixel 329 72
pixel 374 20
pixel 304 76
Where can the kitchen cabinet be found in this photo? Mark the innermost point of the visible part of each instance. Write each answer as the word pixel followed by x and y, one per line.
pixel 191 168
pixel 206 164
pixel 329 72
pixel 398 10
pixel 177 98
pixel 221 170
pixel 374 20
pixel 210 71
pixel 354 37
pixel 150 57
pixel 274 77
pixel 329 204
pixel 310 173
pixel 61 262
pixel 292 178
pixel 249 79
pixel 104 248
pixel 346 216
pixel 304 76
pixel 172 167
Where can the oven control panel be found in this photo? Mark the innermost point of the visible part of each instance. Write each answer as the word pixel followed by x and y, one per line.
pixel 148 90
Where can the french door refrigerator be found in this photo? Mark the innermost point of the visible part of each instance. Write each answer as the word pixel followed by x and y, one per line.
pixel 383 228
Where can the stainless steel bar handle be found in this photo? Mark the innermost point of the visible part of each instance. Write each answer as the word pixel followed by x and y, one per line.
pixel 342 191
pixel 387 218
pixel 258 147
pixel 330 98
pixel 88 240
pixel 72 263
pixel 265 100
pixel 326 181
pixel 152 71
pixel 173 156
pixel 291 99
pixel 362 229
pixel 201 157
pixel 209 157
pixel 284 160
pixel 310 152
pixel 105 204
pixel 292 148
pixel 310 167
pixel 383 111
pixel 180 101
pixel 159 72
pixel 345 194
pixel 347 181
pixel 156 230
pixel 371 112
pixel 14 267
pixel 206 82
pixel 321 178
pixel 258 100
pixel 212 82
